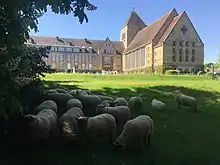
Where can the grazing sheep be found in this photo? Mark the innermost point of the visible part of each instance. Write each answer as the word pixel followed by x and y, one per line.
pixel 121 114
pixel 157 104
pixel 184 100
pixel 135 103
pixel 89 103
pixel 74 103
pixel 136 132
pixel 98 126
pixel 49 104
pixel 60 99
pixel 42 125
pixel 103 98
pixel 69 124
pixel 120 101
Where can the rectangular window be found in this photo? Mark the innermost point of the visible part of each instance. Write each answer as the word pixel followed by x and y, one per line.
pixel 193 51
pixel 76 49
pixel 62 49
pixel 69 49
pixel 187 44
pixel 61 57
pixel 53 65
pixel 181 51
pixel 83 50
pixel 174 50
pixel 174 43
pixel 174 58
pixel 193 44
pixel 187 58
pixel 53 57
pixel 53 48
pixel 180 59
pixel 193 58
pixel 181 43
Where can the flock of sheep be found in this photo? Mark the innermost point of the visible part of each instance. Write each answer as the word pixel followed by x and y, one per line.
pixel 79 114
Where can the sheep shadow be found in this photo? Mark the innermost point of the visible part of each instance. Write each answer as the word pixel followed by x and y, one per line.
pixel 170 128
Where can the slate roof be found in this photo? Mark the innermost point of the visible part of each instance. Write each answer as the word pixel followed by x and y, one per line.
pixel 95 44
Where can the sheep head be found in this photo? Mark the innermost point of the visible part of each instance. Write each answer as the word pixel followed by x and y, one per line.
pixel 67 129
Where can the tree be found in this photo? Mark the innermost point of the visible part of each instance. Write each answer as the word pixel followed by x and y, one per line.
pixel 19 63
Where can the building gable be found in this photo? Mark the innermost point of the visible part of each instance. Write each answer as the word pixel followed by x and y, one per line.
pixel 182 29
pixel 108 47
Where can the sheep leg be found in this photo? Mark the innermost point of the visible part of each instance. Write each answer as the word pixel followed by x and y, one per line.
pixel 179 105
pixel 195 107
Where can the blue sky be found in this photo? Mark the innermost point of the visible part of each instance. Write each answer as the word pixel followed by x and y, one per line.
pixel 108 19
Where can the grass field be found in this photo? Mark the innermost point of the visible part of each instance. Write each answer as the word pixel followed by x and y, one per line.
pixel 181 136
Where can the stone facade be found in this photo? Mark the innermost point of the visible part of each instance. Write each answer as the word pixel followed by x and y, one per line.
pixel 81 55
pixel 170 41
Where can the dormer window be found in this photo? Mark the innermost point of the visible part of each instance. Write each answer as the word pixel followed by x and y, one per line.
pixel 107 44
pixel 76 49
pixel 83 49
pixel 90 49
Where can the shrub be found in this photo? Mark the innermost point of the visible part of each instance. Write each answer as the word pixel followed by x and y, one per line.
pixel 172 72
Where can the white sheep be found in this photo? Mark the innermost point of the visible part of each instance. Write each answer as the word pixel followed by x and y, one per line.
pixel 68 123
pixel 135 103
pixel 98 126
pixel 157 104
pixel 74 103
pixel 184 100
pixel 136 132
pixel 49 104
pixel 89 103
pixel 121 114
pixel 42 125
pixel 120 101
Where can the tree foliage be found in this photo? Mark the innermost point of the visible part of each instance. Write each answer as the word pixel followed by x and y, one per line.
pixel 20 64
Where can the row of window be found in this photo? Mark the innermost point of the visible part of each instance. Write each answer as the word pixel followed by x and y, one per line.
pixel 181 43
pixel 181 51
pixel 77 49
pixel 64 66
pixel 186 59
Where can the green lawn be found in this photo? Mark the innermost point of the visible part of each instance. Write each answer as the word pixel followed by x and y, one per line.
pixel 181 136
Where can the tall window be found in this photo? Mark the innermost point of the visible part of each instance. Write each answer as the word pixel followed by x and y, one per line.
pixel 180 58
pixel 174 43
pixel 76 59
pixel 68 62
pixel 193 44
pixel 62 62
pixel 186 44
pixel 174 58
pixel 53 57
pixel 83 62
pixel 90 62
pixel 181 43
pixel 187 55
pixel 193 55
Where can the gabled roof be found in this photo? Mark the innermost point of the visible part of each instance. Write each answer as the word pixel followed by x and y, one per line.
pixel 172 26
pixel 147 34
pixel 133 15
pixel 168 30
pixel 95 44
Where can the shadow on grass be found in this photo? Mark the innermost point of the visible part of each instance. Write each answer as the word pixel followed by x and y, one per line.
pixel 181 137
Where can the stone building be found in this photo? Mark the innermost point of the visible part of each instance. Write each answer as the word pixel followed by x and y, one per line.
pixel 170 41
